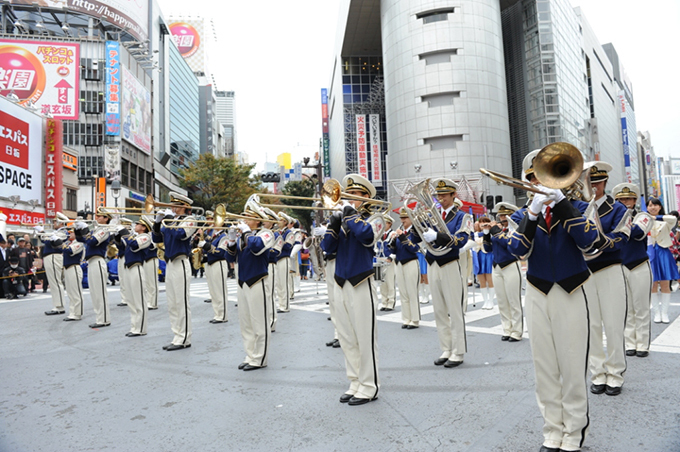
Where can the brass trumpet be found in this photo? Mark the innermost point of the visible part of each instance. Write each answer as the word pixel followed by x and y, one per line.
pixel 150 205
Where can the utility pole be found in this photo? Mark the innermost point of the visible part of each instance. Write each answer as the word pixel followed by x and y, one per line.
pixel 319 180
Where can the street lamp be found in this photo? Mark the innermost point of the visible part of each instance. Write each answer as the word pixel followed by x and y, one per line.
pixel 115 191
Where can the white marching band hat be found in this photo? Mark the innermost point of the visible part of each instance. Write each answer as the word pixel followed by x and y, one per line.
pixel 442 186
pixel 182 200
pixel 599 171
pixel 625 190
pixel 528 163
pixel 357 182
pixel 505 208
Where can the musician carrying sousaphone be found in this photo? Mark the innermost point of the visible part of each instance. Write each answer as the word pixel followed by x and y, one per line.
pixel 177 240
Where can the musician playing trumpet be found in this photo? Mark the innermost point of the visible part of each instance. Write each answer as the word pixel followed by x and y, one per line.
pixel 72 251
pixel 407 271
pixel 215 250
pixel 134 245
pixel 53 261
pixel 384 253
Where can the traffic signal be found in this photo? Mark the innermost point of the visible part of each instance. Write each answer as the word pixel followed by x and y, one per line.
pixel 489 202
pixel 270 177
pixel 499 198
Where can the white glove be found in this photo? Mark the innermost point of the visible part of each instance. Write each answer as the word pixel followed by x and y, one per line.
pixel 537 204
pixel 39 229
pixel 159 216
pixel 168 211
pixel 243 227
pixel 53 237
pixel 319 231
pixel 81 225
pixel 430 235
pixel 201 244
pixel 554 194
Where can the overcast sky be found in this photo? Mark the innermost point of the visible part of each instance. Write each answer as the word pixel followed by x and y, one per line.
pixel 277 56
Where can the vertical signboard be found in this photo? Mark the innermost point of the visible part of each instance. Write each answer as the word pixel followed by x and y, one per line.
pixel 374 137
pixel 324 129
pixel 624 137
pixel 136 114
pixel 112 161
pixel 100 197
pixel 362 157
pixel 43 74
pixel 113 88
pixel 53 167
pixel 187 34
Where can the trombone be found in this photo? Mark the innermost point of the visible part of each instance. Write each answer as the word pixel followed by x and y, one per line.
pixel 149 206
pixel 220 220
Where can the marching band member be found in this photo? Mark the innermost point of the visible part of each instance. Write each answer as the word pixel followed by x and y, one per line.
pixel 124 292
pixel 557 312
pixel 607 303
pixel 387 290
pixel 206 242
pixel 134 245
pixel 507 275
pixel 215 248
pixel 72 251
pixel 53 261
pixel 664 269
pixel 638 275
pixel 445 277
pixel 293 274
pixel 272 257
pixel 177 241
pixel 96 246
pixel 282 287
pixel 150 269
pixel 407 272
pixel 249 251
pixel 351 237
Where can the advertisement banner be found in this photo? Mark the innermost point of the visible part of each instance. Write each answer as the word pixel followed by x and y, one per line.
pixel 21 145
pixel 100 197
pixel 18 216
pixel 112 161
pixel 376 161
pixel 113 88
pixel 362 158
pixel 325 132
pixel 42 74
pixel 188 36
pixel 133 15
pixel 54 165
pixel 136 112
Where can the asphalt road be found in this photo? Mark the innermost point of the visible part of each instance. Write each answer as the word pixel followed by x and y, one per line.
pixel 66 387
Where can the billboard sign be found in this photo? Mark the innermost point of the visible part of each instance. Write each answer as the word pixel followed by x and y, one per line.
pixel 136 112
pixel 112 161
pixel 54 167
pixel 133 15
pixel 43 74
pixel 362 157
pixel 325 132
pixel 376 161
pixel 113 91
pixel 188 36
pixel 21 145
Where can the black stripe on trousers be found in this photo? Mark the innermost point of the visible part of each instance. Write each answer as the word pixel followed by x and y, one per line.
pixel 463 302
pixel 186 303
pixel 266 323
pixel 649 303
pixel 373 334
pixel 623 345
pixel 273 294
pixel 585 375
pixel 521 308
pixel 223 282
pixel 287 282
pixel 57 281
pixel 80 287
pixel 418 292
pixel 103 280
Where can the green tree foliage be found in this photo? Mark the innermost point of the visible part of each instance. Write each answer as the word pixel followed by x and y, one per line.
pixel 213 180
pixel 306 188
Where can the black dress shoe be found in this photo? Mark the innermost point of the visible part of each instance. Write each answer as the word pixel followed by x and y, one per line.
pixel 172 347
pixel 505 338
pixel 412 327
pixel 330 344
pixel 548 449
pixel 218 321
pixel 69 319
pixel 242 365
pixel 642 353
pixel 512 339
pixel 388 309
pixel 612 390
pixel 336 344
pixel 207 301
pixel 152 309
pixel 346 398
pixel 354 401
pixel 53 312
pixel 403 327
pixel 440 361
pixel 134 335
pixel 383 309
pixel 449 364
pixel 597 389
pixel 98 325
pixel 248 367
pixel 121 304
pixel 630 352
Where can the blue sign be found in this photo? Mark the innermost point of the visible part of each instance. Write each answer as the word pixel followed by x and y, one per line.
pixel 113 91
pixel 136 197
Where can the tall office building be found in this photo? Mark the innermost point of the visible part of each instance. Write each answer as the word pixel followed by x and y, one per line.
pixel 225 113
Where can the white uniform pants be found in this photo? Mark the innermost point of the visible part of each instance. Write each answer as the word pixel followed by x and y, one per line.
pixel 465 260
pixel 355 319
pixel 253 317
pixel 408 279
pixel 216 273
pixel 283 286
pixel 389 299
pixel 151 282
pixel 135 281
pixel 446 284
pixel 639 293
pixel 508 284
pixel 54 269
pixel 607 306
pixel 558 333
pixel 271 297
pixel 124 293
pixel 293 275
pixel 73 282
pixel 178 275
pixel 333 295
pixel 97 276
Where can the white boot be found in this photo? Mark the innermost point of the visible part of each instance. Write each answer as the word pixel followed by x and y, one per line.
pixel 665 302
pixel 488 302
pixel 656 297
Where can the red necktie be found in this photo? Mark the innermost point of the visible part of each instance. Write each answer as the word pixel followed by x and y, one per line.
pixel 444 215
pixel 548 217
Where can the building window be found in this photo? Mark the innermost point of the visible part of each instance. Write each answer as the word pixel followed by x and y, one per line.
pixel 133 176
pixel 91 102
pixel 149 183
pixel 124 173
pixel 90 166
pixel 71 199
pixel 89 69
pixel 435 15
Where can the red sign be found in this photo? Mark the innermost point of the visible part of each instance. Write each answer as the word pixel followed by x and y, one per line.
pixel 362 152
pixel 54 149
pixel 13 140
pixel 101 193
pixel 15 216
